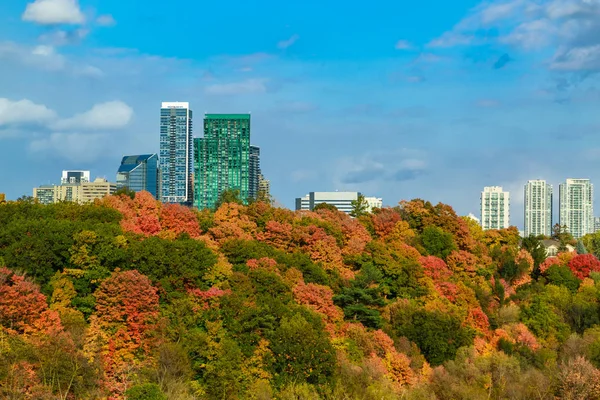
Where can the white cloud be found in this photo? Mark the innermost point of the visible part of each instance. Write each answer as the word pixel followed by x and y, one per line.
pixel 61 37
pixel 42 57
pixel 24 112
pixel 74 146
pixel 577 59
pixel 403 45
pixel 89 71
pixel 569 27
pixel 284 44
pixel 104 116
pixel 106 20
pixel 54 12
pixel 243 87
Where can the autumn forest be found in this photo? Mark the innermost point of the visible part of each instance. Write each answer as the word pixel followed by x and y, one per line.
pixel 128 298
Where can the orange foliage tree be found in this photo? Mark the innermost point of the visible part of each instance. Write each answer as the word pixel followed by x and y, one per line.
pixel 320 299
pixel 23 309
pixel 121 328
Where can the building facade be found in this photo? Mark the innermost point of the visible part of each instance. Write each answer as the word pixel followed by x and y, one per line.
pixel 75 177
pixel 538 208
pixel 97 189
pixel 341 200
pixel 253 172
pixel 596 224
pixel 176 153
pixel 264 187
pixel 84 192
pixel 373 202
pixel 495 208
pixel 222 158
pixel 2 198
pixel 577 206
pixel 139 173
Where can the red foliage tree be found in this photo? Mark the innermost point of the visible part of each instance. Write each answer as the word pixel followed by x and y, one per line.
pixel 548 262
pixel 177 219
pixel 319 298
pixel 435 268
pixel 206 299
pixel 583 264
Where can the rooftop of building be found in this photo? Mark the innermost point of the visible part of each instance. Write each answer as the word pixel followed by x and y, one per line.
pixel 227 116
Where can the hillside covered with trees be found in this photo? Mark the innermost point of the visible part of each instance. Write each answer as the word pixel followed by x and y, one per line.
pixel 131 299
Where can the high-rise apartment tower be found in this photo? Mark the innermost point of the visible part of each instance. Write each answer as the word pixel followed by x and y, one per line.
pixel 176 153
pixel 222 158
pixel 538 208
pixel 495 208
pixel 577 206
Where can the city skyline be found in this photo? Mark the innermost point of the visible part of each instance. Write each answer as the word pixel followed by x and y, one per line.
pixel 414 104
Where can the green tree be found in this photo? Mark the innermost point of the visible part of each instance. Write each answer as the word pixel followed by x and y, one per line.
pixel 360 207
pixel 146 391
pixel 561 233
pixel 125 191
pixel 437 242
pixel 364 293
pixel 302 351
pixel 580 247
pixel 535 247
pixel 325 206
pixel 438 335
pixel 229 196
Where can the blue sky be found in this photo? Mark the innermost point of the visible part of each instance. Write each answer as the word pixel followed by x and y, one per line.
pixel 432 99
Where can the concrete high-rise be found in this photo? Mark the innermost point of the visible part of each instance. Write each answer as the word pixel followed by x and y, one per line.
pixel 139 173
pixel 222 158
pixel 254 172
pixel 495 208
pixel 577 206
pixel 176 153
pixel 538 208
pixel 264 187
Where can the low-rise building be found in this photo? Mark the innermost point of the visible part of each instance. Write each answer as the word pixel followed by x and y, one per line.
pixel 341 200
pixel 84 192
pixel 553 247
pixel 374 202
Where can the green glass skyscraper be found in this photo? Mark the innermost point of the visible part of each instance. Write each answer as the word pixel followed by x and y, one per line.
pixel 221 158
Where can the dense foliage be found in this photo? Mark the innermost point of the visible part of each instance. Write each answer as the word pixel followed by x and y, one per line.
pixel 131 299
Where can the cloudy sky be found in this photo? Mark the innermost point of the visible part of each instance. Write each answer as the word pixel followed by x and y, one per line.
pixel 432 99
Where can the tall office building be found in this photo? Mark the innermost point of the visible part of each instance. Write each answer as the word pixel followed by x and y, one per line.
pixel 139 173
pixel 221 158
pixel 538 208
pixel 253 171
pixel 495 208
pixel 577 206
pixel 176 153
